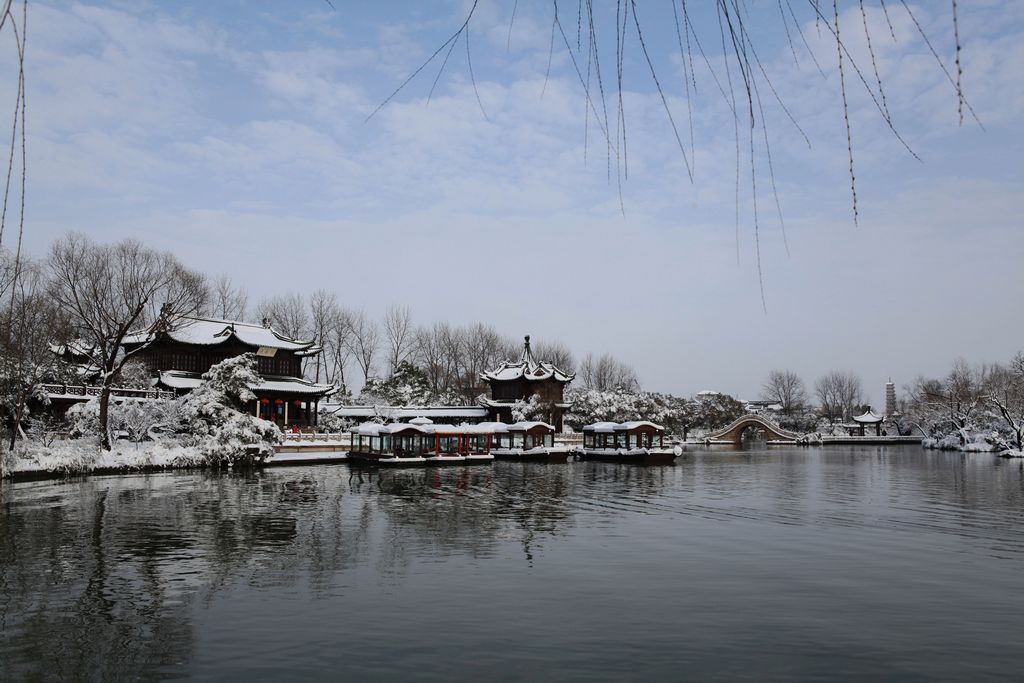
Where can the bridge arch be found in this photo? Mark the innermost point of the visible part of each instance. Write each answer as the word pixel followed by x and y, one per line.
pixel 733 433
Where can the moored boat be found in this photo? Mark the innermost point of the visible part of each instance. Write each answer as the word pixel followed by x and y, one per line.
pixel 638 442
pixel 528 441
pixel 392 445
pixel 457 444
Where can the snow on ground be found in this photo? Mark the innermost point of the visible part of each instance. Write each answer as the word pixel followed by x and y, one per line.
pixel 85 455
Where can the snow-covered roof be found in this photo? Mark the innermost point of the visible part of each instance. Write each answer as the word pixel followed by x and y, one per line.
pixel 210 332
pixel 527 367
pixel 609 427
pixel 637 424
pixel 75 347
pixel 709 392
pixel 510 403
pixel 868 417
pixel 601 427
pixel 375 429
pixel 406 412
pixel 176 379
pixel 527 426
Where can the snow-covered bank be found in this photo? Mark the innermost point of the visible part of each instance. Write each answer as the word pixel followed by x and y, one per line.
pixel 84 456
pixel 969 441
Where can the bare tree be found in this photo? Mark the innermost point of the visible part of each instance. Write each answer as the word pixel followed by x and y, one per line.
pixel 606 373
pixel 399 334
pixel 364 342
pixel 324 314
pixel 480 350
pixel 33 325
pixel 106 292
pixel 287 313
pixel 439 350
pixel 338 346
pixel 838 393
pixel 785 388
pixel 227 302
pixel 556 353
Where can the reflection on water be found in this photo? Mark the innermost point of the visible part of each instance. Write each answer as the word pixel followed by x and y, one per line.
pixel 757 563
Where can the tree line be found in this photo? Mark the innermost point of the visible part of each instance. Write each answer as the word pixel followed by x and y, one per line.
pixel 90 296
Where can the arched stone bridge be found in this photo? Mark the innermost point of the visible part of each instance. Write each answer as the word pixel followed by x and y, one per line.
pixel 734 432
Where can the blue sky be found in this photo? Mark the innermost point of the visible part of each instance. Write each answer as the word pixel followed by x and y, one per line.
pixel 235 135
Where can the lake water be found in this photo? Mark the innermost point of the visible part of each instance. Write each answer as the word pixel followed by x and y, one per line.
pixel 772 564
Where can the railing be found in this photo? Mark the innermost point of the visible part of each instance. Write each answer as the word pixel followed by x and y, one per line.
pixel 87 392
pixel 307 437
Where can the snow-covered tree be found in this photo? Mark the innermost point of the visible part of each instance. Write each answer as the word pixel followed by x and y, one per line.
pixel 134 374
pixel 109 290
pixel 676 414
pixel 1006 395
pixel 215 415
pixel 714 411
pixel 408 385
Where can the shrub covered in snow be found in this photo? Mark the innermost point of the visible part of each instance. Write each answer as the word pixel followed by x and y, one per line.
pixel 619 405
pixel 332 422
pixel 407 386
pixel 214 418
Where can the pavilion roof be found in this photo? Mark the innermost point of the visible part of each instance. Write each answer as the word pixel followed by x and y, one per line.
pixel 176 379
pixel 868 417
pixel 212 331
pixel 527 367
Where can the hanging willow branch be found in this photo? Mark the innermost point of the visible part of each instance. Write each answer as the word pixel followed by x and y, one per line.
pixel 17 145
pixel 739 74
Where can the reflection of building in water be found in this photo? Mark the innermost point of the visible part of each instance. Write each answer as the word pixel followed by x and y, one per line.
pixel 890 398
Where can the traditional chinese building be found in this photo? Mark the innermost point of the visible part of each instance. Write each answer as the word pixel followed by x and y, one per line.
pixel 511 382
pixel 179 356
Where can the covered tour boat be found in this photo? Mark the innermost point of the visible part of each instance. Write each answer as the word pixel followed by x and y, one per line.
pixel 637 442
pixel 532 441
pixel 464 443
pixel 396 444
pixel 406 444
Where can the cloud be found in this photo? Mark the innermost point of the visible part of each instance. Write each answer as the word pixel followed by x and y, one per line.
pixel 243 145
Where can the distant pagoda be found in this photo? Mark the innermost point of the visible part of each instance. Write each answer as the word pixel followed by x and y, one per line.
pixel 890 398
pixel 511 382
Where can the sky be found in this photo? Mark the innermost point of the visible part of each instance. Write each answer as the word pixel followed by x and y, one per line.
pixel 245 137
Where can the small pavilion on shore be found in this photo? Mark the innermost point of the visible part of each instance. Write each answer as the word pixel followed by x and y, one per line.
pixel 867 419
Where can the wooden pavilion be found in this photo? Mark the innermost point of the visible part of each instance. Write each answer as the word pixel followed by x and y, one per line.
pixel 511 382
pixel 179 356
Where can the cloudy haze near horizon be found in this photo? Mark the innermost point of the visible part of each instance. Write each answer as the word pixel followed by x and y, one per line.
pixel 237 137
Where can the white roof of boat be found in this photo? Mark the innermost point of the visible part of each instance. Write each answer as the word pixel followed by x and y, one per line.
pixel 376 429
pixel 526 426
pixel 608 427
pixel 405 412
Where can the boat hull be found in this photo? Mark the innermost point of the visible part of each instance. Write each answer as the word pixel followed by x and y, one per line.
pixel 635 456
pixel 357 458
pixel 552 454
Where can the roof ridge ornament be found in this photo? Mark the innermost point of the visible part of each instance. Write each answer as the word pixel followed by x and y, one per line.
pixel 527 357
